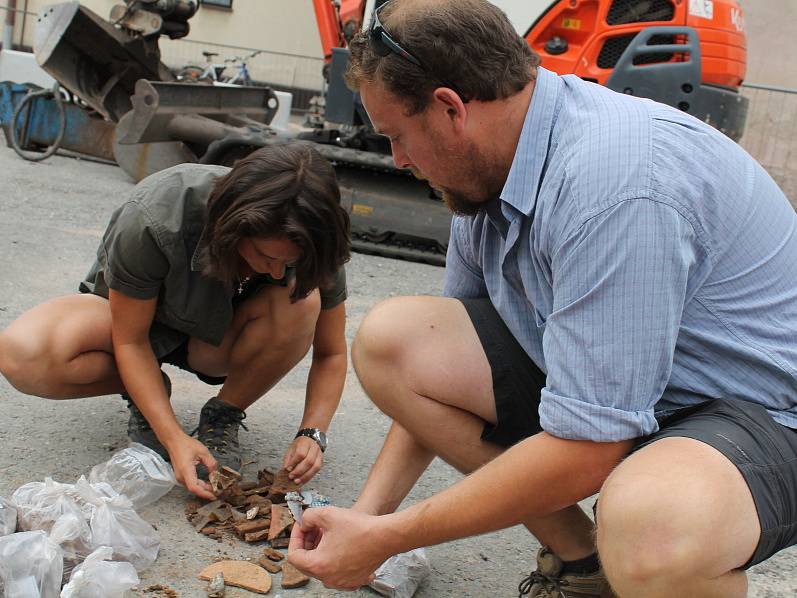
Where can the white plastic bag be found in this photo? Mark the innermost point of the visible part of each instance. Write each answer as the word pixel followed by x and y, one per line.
pixel 40 504
pixel 99 577
pixel 137 472
pixel 400 575
pixel 31 565
pixel 8 517
pixel 114 523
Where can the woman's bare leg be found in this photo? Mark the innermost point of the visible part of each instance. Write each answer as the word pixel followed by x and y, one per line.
pixel 61 349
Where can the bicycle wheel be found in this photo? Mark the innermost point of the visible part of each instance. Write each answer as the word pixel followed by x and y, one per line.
pixel 190 74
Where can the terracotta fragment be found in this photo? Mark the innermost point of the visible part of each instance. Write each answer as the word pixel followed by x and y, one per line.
pixel 241 574
pixel 161 589
pixel 274 555
pixel 292 577
pixel 281 518
pixel 280 542
pixel 248 485
pixel 256 536
pixel 265 477
pixel 257 491
pixel 269 566
pixel 247 527
pixel 256 499
pixel 282 485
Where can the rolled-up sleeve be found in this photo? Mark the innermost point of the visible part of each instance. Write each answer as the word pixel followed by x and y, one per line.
pixel 463 276
pixel 135 263
pixel 619 286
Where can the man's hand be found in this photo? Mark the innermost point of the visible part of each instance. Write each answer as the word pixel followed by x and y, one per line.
pixel 186 453
pixel 303 459
pixel 340 547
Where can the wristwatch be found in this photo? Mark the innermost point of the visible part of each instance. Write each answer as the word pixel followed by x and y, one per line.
pixel 316 435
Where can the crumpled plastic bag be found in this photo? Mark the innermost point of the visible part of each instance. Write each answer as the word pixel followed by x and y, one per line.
pixel 115 523
pixel 137 472
pixel 107 518
pixel 99 577
pixel 400 575
pixel 41 504
pixel 32 563
pixel 8 517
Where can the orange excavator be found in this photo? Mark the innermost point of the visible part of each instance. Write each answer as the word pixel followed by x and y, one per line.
pixel 690 54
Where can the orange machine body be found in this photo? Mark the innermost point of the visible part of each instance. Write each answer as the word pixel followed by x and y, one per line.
pixel 597 32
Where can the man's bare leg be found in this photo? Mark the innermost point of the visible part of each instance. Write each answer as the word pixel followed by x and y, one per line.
pixel 677 519
pixel 61 349
pixel 421 362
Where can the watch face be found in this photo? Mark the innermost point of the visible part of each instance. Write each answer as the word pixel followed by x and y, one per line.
pixel 321 438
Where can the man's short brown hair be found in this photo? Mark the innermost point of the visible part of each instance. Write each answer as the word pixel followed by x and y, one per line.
pixel 283 190
pixel 467 44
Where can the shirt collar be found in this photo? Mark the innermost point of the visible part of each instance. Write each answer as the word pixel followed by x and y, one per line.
pixel 520 189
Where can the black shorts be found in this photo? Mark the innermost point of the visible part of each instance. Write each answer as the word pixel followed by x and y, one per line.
pixel 179 358
pixel 764 451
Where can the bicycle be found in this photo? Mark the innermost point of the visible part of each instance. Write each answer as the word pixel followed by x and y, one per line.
pixel 213 73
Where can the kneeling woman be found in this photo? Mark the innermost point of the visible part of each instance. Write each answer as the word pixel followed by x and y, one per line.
pixel 232 274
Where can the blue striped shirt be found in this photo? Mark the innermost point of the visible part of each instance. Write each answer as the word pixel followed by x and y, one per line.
pixel 642 259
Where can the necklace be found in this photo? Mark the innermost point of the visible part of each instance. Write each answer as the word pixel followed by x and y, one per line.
pixel 242 283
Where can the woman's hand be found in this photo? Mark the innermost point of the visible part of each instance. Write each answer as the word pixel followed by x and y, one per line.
pixel 303 459
pixel 186 453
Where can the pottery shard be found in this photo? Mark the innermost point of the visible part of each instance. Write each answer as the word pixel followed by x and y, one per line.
pixel 280 542
pixel 241 574
pixel 281 518
pixel 265 477
pixel 274 555
pixel 269 566
pixel 248 527
pixel 292 577
pixel 256 499
pixel 216 511
pixel 256 536
pixel 283 484
pixel 220 480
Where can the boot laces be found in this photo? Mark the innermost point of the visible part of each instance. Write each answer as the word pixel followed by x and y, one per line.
pixel 216 431
pixel 552 585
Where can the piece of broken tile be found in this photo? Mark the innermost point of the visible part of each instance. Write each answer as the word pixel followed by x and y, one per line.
pixel 256 536
pixel 247 527
pixel 281 518
pixel 292 577
pixel 283 484
pixel 252 513
pixel 269 566
pixel 280 542
pixel 265 477
pixel 241 574
pixel 257 500
pixel 274 555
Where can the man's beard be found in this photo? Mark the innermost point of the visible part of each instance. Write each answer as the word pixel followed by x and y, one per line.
pixel 462 205
pixel 482 179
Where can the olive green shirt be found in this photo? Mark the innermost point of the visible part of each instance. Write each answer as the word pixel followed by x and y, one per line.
pixel 152 248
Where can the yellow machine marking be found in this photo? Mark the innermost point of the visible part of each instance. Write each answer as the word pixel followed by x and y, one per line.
pixel 361 209
pixel 571 23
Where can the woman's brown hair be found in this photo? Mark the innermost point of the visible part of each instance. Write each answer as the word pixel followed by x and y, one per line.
pixel 282 190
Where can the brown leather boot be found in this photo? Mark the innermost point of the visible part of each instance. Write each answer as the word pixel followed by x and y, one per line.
pixel 549 582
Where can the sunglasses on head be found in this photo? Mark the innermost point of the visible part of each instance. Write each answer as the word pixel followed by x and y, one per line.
pixel 384 45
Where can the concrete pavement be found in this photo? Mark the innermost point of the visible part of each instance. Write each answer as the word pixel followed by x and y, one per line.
pixel 52 215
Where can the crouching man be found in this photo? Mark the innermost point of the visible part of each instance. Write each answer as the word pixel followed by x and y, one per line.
pixel 619 316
